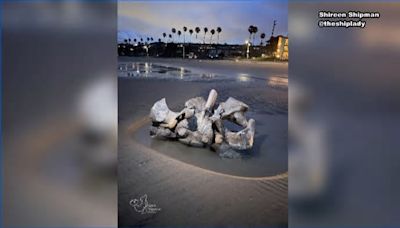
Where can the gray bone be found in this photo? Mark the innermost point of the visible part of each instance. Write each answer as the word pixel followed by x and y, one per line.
pixel 199 124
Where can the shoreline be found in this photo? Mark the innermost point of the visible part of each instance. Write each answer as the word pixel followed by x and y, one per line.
pixel 238 61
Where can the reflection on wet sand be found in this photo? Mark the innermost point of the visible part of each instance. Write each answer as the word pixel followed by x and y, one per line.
pixel 276 81
pixel 142 70
pixel 145 69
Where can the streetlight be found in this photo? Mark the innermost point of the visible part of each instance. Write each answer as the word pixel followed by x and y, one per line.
pixel 248 49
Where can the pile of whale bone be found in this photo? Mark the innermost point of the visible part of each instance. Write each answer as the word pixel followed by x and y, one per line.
pixel 199 124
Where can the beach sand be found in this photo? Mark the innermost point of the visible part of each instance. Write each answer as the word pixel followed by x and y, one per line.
pixel 194 186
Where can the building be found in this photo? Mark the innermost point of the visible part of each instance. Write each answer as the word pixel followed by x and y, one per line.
pixel 278 47
pixel 282 50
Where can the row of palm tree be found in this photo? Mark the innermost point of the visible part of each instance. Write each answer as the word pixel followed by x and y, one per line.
pixel 170 37
pixel 196 30
pixel 141 40
pixel 253 30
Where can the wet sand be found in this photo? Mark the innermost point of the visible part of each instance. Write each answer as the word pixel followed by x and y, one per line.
pixel 192 186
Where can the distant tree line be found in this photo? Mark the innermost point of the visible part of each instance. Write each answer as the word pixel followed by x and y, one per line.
pixel 175 36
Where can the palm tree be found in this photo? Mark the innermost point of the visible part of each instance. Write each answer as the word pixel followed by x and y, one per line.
pixel 250 29
pixel 164 35
pixel 205 33
pixel 173 30
pixel 141 40
pixel 151 38
pixel 170 36
pixel 197 29
pixel 179 33
pixel 125 41
pixel 190 32
pixel 159 40
pixel 129 40
pixel 255 30
pixel 212 34
pixel 134 40
pixel 184 33
pixel 262 36
pixel 219 30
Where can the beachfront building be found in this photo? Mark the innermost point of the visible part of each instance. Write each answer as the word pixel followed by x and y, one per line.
pixel 278 47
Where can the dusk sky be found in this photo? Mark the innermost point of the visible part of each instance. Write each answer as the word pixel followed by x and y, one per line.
pixel 138 19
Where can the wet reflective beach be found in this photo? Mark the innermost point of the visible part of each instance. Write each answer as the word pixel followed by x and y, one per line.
pixel 188 71
pixel 266 94
pixel 171 173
